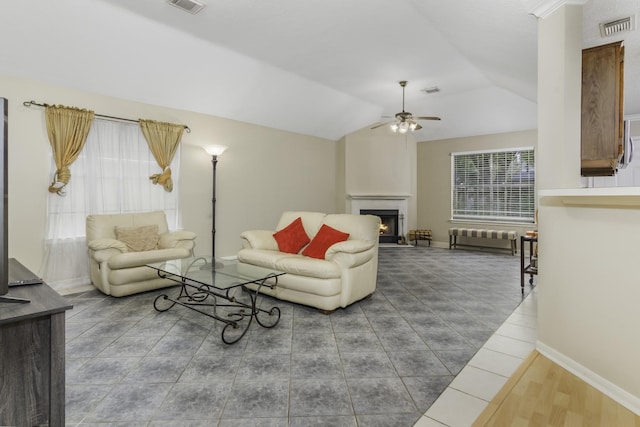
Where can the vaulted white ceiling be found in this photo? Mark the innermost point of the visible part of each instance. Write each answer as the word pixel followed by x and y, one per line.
pixel 324 68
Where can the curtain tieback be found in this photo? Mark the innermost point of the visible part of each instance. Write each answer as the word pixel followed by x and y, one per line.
pixel 60 180
pixel 163 179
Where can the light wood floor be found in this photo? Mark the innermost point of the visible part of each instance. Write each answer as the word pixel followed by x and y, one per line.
pixel 541 393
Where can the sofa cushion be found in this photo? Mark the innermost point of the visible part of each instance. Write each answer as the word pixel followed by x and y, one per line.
pixel 310 267
pixel 292 238
pixel 138 239
pixel 125 276
pixel 262 257
pixel 326 237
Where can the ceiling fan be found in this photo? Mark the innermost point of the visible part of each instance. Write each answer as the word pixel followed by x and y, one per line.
pixel 404 120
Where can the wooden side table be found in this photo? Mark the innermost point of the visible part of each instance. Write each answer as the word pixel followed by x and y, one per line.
pixel 527 267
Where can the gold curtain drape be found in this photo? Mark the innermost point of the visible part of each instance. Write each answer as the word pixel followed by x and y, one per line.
pixel 67 128
pixel 163 139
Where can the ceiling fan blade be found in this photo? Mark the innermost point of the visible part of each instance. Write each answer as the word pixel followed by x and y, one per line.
pixel 418 127
pixel 379 125
pixel 426 118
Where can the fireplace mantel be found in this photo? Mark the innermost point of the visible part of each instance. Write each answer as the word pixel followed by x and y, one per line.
pixel 379 196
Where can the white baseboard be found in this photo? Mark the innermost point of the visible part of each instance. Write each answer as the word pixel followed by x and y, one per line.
pixel 605 386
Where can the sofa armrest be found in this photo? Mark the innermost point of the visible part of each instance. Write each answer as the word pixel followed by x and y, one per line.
pixel 351 253
pixel 349 246
pixel 103 244
pixel 259 239
pixel 180 238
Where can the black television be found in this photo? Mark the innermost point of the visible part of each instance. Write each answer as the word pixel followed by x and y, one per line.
pixel 4 241
pixel 4 218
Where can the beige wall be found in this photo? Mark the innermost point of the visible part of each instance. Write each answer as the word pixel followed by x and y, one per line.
pixel 434 180
pixel 559 87
pixel 341 165
pixel 380 162
pixel 588 292
pixel 263 172
pixel 587 285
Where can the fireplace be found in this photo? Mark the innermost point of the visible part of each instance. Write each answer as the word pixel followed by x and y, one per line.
pixel 386 204
pixel 389 223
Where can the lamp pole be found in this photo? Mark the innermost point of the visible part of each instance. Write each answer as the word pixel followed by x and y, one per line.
pixel 214 151
pixel 214 162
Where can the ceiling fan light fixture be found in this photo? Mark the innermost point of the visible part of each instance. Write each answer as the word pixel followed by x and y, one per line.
pixel 400 126
pixel 404 120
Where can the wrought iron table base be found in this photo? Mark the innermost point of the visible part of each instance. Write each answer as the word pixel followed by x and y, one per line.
pixel 194 296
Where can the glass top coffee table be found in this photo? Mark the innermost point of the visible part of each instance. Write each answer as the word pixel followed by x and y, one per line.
pixel 225 290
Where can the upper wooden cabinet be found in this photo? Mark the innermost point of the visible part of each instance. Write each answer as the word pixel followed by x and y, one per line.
pixel 602 109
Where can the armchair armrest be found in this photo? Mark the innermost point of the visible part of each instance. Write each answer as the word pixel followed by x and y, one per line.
pixel 103 249
pixel 102 244
pixel 180 238
pixel 259 239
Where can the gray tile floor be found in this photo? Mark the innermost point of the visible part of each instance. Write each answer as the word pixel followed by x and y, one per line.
pixel 380 362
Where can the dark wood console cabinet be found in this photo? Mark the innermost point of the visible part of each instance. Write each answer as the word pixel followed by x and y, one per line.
pixel 602 130
pixel 32 354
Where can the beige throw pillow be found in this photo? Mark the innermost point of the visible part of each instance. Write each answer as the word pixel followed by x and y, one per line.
pixel 138 239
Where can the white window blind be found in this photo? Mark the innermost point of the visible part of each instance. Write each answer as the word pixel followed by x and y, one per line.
pixel 494 186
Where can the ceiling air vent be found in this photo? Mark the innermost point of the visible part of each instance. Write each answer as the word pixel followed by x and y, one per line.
pixel 191 6
pixel 617 26
pixel 432 89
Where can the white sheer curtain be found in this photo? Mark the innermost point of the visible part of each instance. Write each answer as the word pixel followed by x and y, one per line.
pixel 111 175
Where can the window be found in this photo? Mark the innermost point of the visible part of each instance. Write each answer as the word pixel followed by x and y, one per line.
pixel 111 175
pixel 496 186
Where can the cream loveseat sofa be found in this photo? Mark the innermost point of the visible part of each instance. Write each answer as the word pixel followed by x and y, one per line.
pixel 121 244
pixel 345 273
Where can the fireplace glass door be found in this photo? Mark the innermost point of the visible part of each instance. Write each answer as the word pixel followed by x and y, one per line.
pixel 389 223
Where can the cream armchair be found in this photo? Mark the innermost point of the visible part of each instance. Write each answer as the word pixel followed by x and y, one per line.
pixel 121 244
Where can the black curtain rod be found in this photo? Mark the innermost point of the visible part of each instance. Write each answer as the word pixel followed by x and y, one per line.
pixel 30 103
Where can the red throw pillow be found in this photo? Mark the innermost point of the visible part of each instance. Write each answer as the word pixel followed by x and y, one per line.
pixel 326 237
pixel 292 238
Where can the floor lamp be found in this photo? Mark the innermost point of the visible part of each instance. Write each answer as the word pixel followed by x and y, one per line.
pixel 214 151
